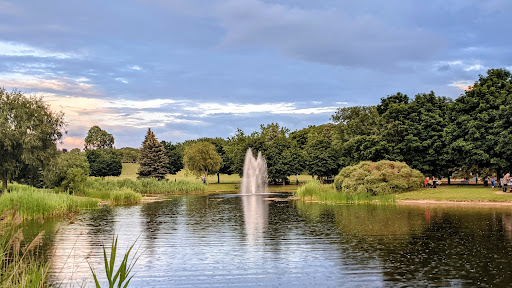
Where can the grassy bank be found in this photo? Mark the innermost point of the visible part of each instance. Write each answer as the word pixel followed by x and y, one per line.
pixel 34 203
pixel 314 191
pixel 454 193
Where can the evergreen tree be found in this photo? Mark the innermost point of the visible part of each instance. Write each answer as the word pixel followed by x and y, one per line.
pixel 153 161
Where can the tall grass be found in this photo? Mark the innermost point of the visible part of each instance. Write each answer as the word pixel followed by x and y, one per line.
pixel 314 191
pixel 124 196
pixel 124 275
pixel 32 203
pixel 18 265
pixel 145 186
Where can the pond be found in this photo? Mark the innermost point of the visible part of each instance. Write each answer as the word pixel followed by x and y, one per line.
pixel 254 241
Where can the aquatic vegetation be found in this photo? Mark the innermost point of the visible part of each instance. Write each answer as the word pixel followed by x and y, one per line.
pixel 146 186
pixel 18 265
pixel 123 272
pixel 124 196
pixel 314 191
pixel 33 203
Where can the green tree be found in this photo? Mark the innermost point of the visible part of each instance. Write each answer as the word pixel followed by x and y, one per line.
pixel 29 131
pixel 415 130
pixel 98 139
pixel 128 154
pixel 279 158
pixel 201 158
pixel 357 121
pixel 153 161
pixel 480 130
pixel 104 162
pixel 236 147
pixel 321 158
pixel 69 170
pixel 175 154
pixel 220 148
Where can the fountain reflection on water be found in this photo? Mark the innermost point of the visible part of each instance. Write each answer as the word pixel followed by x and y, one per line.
pixel 255 207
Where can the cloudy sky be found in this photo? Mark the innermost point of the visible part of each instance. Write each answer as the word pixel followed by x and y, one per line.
pixel 193 68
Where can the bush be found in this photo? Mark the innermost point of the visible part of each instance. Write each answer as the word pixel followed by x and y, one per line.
pixel 59 170
pixel 378 178
pixel 75 180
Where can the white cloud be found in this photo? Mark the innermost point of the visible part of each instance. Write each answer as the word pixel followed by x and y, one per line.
pixel 475 67
pixel 20 49
pixel 207 109
pixel 136 68
pixel 122 80
pixel 466 65
pixel 139 104
pixel 461 84
pixel 36 84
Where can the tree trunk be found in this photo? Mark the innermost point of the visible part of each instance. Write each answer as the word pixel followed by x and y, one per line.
pixel 206 175
pixel 449 180
pixel 218 177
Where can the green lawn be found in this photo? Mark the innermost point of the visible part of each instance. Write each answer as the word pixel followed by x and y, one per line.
pixel 227 182
pixel 454 193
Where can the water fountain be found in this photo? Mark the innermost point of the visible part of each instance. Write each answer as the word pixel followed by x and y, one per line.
pixel 255 174
pixel 254 185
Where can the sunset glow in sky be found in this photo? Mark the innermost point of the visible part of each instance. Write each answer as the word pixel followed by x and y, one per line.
pixel 203 68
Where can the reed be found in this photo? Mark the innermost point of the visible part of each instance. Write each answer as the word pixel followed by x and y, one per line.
pixel 314 191
pixel 123 275
pixel 32 203
pixel 145 186
pixel 19 267
pixel 124 196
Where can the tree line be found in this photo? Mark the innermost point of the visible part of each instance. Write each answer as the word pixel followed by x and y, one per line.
pixel 435 135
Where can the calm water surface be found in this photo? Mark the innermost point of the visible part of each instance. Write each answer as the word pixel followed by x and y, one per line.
pixel 251 241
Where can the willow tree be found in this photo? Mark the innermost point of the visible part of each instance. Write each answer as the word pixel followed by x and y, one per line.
pixel 29 132
pixel 201 158
pixel 153 160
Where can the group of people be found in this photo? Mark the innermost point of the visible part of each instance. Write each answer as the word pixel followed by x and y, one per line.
pixel 431 183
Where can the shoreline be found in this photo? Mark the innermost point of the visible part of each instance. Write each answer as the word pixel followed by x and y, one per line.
pixel 467 203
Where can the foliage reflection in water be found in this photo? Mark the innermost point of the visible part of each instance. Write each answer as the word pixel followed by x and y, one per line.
pixel 232 240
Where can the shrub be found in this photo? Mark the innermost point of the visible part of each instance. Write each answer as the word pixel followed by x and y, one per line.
pixel 75 180
pixel 57 172
pixel 378 178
